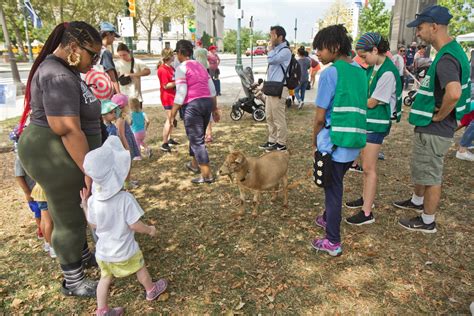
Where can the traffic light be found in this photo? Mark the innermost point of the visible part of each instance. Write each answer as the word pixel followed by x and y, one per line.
pixel 131 9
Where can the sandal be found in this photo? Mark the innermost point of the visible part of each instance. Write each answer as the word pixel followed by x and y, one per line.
pixel 116 311
pixel 87 288
pixel 159 288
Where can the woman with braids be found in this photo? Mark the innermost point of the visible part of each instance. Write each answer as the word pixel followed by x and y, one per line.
pixel 384 103
pixel 339 125
pixel 196 99
pixel 64 126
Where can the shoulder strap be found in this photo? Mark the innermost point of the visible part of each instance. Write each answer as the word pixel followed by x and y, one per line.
pixel 133 64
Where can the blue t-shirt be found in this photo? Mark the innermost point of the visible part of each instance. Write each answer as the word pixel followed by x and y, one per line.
pixel 324 100
pixel 138 122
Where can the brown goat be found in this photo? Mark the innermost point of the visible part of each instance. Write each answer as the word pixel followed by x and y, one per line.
pixel 258 174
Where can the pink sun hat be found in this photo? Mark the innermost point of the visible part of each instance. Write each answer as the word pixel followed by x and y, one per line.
pixel 120 99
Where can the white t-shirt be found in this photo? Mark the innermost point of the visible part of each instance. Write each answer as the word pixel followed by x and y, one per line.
pixel 132 90
pixel 112 217
pixel 386 88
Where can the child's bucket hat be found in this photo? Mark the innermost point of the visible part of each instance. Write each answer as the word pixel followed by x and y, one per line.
pixel 108 166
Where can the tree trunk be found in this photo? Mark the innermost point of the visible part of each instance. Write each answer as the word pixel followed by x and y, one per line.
pixel 61 11
pixel 19 40
pixel 148 47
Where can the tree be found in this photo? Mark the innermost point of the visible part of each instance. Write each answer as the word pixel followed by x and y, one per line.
pixel 230 39
pixel 337 14
pixel 375 18
pixel 180 10
pixel 149 12
pixel 205 40
pixel 463 16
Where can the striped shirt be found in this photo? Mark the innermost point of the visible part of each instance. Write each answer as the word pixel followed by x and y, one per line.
pixel 192 82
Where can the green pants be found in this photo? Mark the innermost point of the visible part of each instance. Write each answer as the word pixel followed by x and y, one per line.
pixel 45 159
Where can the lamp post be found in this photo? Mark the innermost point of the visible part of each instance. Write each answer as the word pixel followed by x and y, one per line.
pixel 238 65
pixel 251 42
pixel 296 28
pixel 25 24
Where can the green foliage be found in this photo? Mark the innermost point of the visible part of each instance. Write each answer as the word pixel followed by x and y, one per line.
pixel 206 40
pixel 375 18
pixel 463 16
pixel 230 39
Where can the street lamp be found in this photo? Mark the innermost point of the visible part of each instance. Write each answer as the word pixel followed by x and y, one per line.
pixel 240 16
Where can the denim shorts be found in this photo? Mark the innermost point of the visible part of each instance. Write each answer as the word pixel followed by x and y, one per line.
pixel 43 206
pixel 167 107
pixel 376 138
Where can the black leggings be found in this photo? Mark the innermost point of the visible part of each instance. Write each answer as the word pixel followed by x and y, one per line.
pixel 45 159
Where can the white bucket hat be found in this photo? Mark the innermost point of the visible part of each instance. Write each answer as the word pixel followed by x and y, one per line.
pixel 108 166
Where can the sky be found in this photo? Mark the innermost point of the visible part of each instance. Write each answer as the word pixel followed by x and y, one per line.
pixel 282 12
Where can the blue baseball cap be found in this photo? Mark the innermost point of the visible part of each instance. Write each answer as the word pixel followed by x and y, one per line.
pixel 432 14
pixel 108 27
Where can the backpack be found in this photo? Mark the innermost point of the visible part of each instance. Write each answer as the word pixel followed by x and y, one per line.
pixel 293 73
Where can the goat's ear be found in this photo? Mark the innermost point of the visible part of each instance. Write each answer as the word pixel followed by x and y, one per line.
pixel 239 158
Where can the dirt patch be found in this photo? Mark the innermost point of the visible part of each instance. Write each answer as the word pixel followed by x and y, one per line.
pixel 218 262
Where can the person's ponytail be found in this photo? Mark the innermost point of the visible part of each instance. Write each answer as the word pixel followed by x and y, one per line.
pixel 49 47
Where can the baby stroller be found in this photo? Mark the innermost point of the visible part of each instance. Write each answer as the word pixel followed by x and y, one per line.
pixel 420 73
pixel 254 100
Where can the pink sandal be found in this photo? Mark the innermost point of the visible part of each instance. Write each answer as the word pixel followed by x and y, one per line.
pixel 159 288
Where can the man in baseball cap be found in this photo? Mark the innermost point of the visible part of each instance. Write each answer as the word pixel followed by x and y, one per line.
pixel 109 33
pixel 108 27
pixel 442 99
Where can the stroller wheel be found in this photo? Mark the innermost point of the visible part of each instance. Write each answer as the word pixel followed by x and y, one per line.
pixel 236 114
pixel 407 101
pixel 259 114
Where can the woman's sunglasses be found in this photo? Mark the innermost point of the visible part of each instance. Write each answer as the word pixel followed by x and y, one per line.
pixel 94 55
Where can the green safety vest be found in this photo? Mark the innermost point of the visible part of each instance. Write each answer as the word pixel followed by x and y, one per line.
pixel 378 118
pixel 422 110
pixel 349 110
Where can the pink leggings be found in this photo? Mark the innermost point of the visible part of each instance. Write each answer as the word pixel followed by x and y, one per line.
pixel 140 138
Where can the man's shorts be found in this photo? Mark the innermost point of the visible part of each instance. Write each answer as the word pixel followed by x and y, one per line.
pixel 376 138
pixel 43 206
pixel 428 158
pixel 122 269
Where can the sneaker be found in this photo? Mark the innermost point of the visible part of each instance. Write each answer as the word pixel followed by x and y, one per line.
pixel 87 288
pixel 46 247
pixel 52 253
pixel 267 145
pixel 409 205
pixel 360 219
pixel 173 142
pixel 165 147
pixel 39 234
pixel 279 147
pixel 356 168
pixel 325 245
pixel 467 155
pixel 116 311
pixel 319 221
pixel 201 180
pixel 355 204
pixel 381 156
pixel 190 167
pixel 300 105
pixel 158 289
pixel 417 224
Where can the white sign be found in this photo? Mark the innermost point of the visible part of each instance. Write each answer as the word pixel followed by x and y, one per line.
pixel 125 26
pixel 239 14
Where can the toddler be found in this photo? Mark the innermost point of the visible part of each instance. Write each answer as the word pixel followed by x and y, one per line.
pixel 46 222
pixel 115 214
pixel 140 123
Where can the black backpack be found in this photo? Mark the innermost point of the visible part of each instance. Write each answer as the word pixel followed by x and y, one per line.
pixel 293 73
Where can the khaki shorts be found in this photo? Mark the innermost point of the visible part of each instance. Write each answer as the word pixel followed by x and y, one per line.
pixel 428 158
pixel 124 268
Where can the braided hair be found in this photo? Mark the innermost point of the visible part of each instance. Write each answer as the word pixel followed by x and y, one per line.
pixel 335 39
pixel 63 34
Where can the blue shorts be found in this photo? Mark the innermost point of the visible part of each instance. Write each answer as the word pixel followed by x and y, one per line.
pixel 167 107
pixel 43 206
pixel 35 208
pixel 376 138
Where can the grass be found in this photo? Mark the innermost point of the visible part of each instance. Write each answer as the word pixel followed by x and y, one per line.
pixel 218 262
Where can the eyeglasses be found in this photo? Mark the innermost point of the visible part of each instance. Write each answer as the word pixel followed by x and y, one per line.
pixel 94 55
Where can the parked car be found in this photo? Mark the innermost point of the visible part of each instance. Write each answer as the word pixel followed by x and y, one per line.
pixel 259 50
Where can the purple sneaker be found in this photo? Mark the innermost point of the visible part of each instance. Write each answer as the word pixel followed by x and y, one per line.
pixel 325 245
pixel 319 221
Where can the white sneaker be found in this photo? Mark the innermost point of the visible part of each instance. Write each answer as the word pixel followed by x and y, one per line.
pixel 52 253
pixel 467 155
pixel 46 247
pixel 300 105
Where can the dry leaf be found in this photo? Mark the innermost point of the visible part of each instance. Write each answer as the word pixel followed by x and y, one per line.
pixel 16 303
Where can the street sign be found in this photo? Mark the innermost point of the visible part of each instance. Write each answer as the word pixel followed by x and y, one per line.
pixel 239 14
pixel 125 26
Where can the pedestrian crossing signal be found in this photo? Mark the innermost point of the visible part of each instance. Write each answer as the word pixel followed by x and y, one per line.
pixel 131 9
